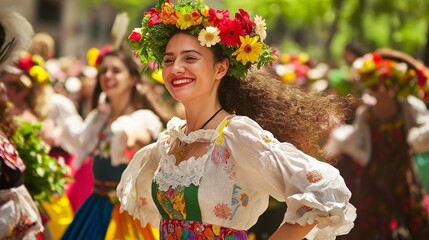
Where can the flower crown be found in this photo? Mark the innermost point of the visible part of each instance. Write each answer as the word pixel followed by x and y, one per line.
pixel 372 69
pixel 241 39
pixel 33 65
pixel 94 55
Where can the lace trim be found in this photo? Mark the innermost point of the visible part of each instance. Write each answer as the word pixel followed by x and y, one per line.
pixel 176 130
pixel 186 173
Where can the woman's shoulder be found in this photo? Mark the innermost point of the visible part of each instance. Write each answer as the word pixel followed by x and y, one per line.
pixel 244 128
pixel 240 121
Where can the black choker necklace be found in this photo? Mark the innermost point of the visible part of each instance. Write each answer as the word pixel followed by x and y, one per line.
pixel 181 147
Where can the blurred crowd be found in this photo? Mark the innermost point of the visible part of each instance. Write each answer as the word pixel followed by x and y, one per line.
pixel 109 106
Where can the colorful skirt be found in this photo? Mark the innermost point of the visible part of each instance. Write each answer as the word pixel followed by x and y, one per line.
pixel 99 218
pixel 181 229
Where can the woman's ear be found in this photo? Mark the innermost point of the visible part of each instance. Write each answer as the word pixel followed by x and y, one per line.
pixel 221 68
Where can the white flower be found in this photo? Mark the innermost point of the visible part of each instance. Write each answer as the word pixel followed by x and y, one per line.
pixel 209 36
pixel 260 28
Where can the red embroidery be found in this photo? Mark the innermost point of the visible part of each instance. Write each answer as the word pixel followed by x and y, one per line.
pixel 222 210
pixel 314 176
pixel 143 201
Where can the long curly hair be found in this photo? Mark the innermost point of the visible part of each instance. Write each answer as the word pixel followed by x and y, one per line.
pixel 303 119
pixel 7 124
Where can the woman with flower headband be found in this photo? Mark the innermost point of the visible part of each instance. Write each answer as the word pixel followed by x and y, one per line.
pixel 210 176
pixel 388 128
pixel 20 218
pixel 34 100
pixel 118 125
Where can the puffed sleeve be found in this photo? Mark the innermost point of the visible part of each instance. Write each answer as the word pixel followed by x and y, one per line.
pixel 313 190
pixel 134 127
pixel 65 115
pixel 418 135
pixel 137 201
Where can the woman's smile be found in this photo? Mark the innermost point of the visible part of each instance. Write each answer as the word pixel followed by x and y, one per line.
pixel 182 81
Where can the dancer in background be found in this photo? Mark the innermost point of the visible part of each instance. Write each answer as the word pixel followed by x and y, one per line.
pixel 117 127
pixel 389 127
pixel 210 175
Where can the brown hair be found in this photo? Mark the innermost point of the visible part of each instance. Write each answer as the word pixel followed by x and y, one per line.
pixel 138 100
pixel 7 125
pixel 303 119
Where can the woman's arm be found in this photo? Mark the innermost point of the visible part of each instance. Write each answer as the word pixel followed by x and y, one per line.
pixel 292 231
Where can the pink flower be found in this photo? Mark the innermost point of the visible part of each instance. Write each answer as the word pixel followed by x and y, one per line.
pixel 218 16
pixel 103 51
pixel 393 225
pixel 314 176
pixel 222 210
pixel 154 17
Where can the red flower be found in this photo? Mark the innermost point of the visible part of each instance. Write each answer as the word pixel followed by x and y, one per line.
pixel 393 224
pixel 25 62
pixel 244 19
pixel 421 77
pixel 230 32
pixel 154 17
pixel 275 56
pixel 136 36
pixel 217 16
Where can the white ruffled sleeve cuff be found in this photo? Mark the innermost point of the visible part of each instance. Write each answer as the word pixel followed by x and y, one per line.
pixel 138 201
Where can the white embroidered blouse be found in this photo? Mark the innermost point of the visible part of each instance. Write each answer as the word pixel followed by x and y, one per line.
pixel 244 164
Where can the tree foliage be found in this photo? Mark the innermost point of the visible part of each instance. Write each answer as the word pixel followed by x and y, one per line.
pixel 323 27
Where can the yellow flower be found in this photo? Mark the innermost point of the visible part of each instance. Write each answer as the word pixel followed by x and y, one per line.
pixel 40 74
pixel 209 36
pixel 184 19
pixel 157 76
pixel 205 11
pixel 92 56
pixel 249 50
pixel 367 66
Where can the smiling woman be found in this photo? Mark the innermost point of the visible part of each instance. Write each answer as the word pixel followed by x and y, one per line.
pixel 243 138
pixel 115 129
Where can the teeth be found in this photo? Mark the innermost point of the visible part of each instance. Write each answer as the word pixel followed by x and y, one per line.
pixel 183 81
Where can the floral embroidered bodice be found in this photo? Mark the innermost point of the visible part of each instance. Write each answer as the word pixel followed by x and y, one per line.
pixel 11 165
pixel 229 186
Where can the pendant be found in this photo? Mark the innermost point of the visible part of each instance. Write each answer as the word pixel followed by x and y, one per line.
pixel 181 151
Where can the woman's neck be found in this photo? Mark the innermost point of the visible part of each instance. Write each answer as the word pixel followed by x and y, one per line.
pixel 196 117
pixel 120 107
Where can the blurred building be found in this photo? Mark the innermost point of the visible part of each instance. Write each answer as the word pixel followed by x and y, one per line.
pixel 75 28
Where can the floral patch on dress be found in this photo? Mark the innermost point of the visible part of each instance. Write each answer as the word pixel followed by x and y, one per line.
pixel 222 210
pixel 173 202
pixel 314 176
pixel 10 155
pixel 239 199
pixel 220 157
